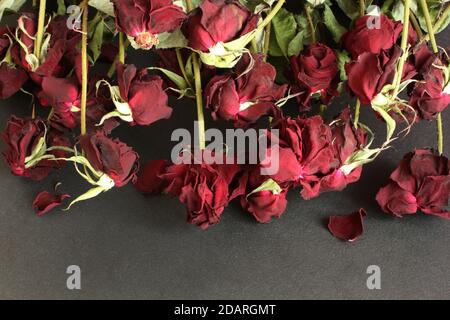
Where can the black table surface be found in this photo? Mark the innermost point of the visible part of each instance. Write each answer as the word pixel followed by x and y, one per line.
pixel 129 246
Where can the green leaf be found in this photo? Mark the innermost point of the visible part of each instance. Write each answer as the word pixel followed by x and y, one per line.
pixel 61 8
pixel 296 44
pixel 92 193
pixel 175 78
pixel 268 185
pixel 11 5
pixel 316 3
pixel 171 40
pixel 343 59
pixel 390 122
pixel 105 6
pixel 96 40
pixel 332 24
pixel 285 29
pixel 351 7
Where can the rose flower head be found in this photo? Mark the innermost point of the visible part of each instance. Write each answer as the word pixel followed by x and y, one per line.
pixel 420 182
pixel 144 20
pixel 244 96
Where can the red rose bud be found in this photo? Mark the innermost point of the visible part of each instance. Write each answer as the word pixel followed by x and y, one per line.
pixel 46 201
pixel 112 157
pixel 216 22
pixel 27 143
pixel 420 182
pixel 370 73
pixel 315 72
pixel 265 199
pixel 205 189
pixel 367 37
pixel 143 21
pixel 244 97
pixel 140 98
pixel 347 227
pixel 431 94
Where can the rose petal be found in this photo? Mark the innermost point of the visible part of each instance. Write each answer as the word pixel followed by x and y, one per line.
pixel 347 227
pixel 46 201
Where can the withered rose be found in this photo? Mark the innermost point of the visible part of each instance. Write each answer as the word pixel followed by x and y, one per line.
pixel 431 94
pixel 110 156
pixel 12 77
pixel 24 138
pixel 145 20
pixel 149 180
pixel 205 189
pixel 315 72
pixel 347 227
pixel 217 21
pixel 368 75
pixel 143 94
pixel 368 38
pixel 244 97
pixel 46 201
pixel 420 182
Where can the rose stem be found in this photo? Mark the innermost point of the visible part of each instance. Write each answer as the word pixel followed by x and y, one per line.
pixel 112 69
pixel 362 12
pixel 182 67
pixel 198 92
pixel 84 66
pixel 309 11
pixel 440 136
pixel 121 47
pixel 438 23
pixel 362 8
pixel 267 32
pixel 404 45
pixel 40 29
pixel 271 14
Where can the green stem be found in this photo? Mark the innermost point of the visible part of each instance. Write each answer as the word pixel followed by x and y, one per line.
pixel 438 24
pixel 271 14
pixel 266 46
pixel 112 69
pixel 404 46
pixel 40 29
pixel 362 8
pixel 309 12
pixel 357 113
pixel 426 12
pixel 84 66
pixel 199 100
pixel 189 5
pixel 182 66
pixel 121 47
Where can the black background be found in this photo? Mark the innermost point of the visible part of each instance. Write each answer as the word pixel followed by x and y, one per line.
pixel 131 246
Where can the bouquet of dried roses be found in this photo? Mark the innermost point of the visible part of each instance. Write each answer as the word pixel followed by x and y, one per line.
pixel 242 62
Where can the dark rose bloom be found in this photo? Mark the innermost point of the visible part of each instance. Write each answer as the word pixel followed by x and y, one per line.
pixel 315 72
pixel 310 140
pixel 346 140
pixel 263 203
pixel 429 95
pixel 61 56
pixel 217 21
pixel 205 189
pixel 347 227
pixel 364 38
pixel 368 75
pixel 23 137
pixel 144 93
pixel 112 157
pixel 420 182
pixel 143 20
pixel 244 98
pixel 46 201
pixel 149 180
pixel 12 78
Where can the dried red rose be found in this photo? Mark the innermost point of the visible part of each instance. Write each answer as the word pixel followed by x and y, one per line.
pixel 26 145
pixel 315 72
pixel 46 201
pixel 215 22
pixel 347 227
pixel 367 38
pixel 112 157
pixel 144 95
pixel 244 97
pixel 143 21
pixel 149 180
pixel 431 94
pixel 368 75
pixel 420 182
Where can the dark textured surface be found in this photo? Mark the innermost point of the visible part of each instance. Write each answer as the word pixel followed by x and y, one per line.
pixel 130 246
